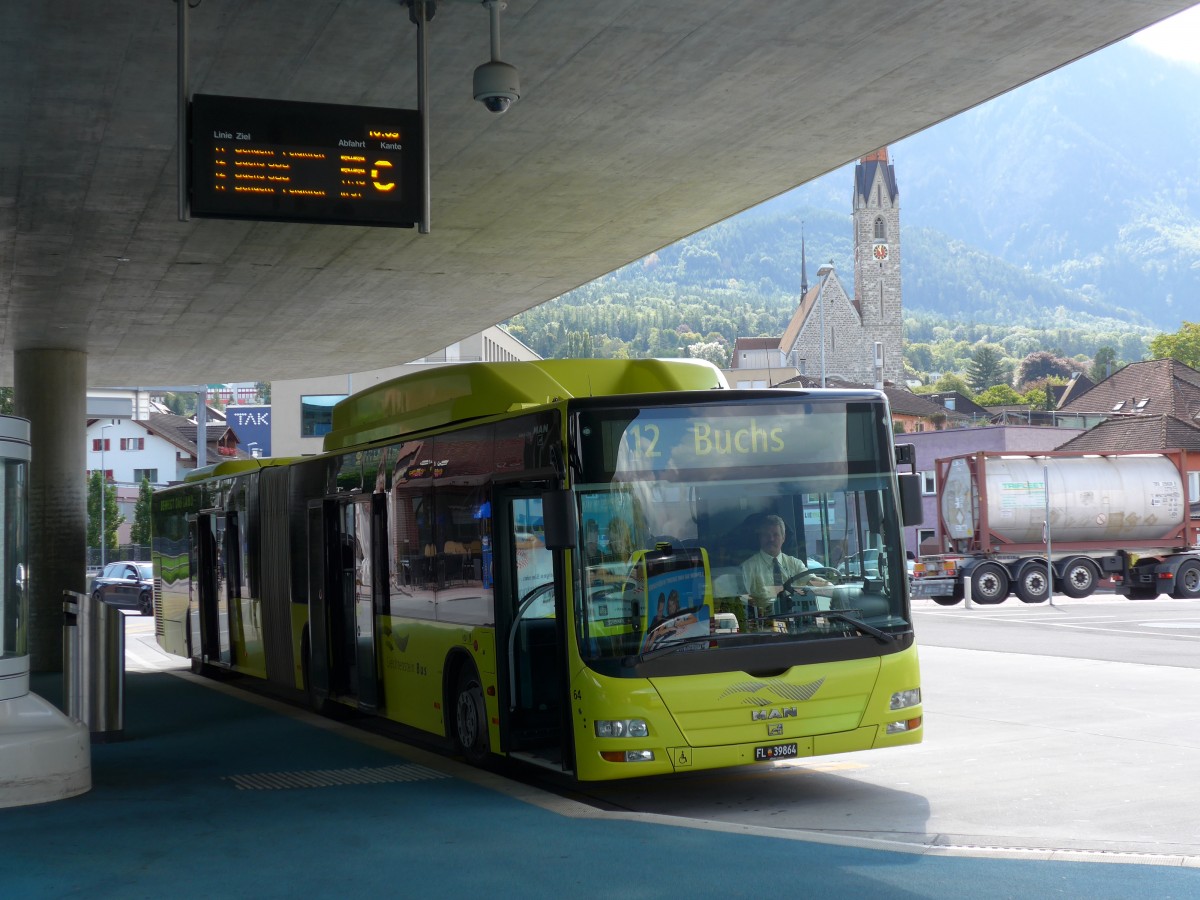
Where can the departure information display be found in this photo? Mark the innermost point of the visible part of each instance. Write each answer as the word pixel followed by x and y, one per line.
pixel 285 161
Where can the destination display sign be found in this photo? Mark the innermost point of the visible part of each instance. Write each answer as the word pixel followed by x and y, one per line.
pixel 280 160
pixel 696 439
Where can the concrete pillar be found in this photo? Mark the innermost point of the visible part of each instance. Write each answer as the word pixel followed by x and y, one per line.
pixel 50 390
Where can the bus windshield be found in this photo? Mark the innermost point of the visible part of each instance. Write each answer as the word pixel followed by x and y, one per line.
pixel 719 526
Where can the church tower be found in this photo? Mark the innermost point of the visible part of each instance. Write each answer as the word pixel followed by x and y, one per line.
pixel 877 260
pixel 833 335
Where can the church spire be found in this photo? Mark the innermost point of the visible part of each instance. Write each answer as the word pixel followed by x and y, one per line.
pixel 803 266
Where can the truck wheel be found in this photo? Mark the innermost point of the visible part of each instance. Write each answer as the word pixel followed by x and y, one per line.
pixel 1187 580
pixel 1079 578
pixel 1031 584
pixel 947 601
pixel 989 583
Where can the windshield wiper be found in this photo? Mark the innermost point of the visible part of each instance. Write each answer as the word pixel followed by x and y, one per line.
pixel 842 615
pixel 676 645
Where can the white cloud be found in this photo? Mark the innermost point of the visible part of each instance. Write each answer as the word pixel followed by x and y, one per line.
pixel 1176 38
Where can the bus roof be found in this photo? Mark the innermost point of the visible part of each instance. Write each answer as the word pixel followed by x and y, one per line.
pixel 471 390
pixel 235 467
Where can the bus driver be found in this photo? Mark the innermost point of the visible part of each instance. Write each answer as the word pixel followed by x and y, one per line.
pixel 765 571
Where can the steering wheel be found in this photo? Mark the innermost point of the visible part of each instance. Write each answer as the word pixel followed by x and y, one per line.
pixel 833 576
pixel 791 589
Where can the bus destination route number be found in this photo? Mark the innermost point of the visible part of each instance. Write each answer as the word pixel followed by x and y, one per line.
pixel 304 162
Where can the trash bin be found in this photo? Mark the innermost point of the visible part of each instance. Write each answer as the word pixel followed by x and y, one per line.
pixel 94 665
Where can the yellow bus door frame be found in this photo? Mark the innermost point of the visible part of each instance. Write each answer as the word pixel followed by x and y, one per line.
pixel 533 672
pixel 342 604
pixel 211 538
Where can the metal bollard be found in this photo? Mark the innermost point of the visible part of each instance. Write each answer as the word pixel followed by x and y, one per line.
pixel 71 686
pixel 95 677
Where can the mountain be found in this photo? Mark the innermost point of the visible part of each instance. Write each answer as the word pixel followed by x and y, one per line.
pixel 1069 206
pixel 1087 176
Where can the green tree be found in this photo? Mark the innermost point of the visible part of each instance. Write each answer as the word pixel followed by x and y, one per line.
pixel 999 395
pixel 952 382
pixel 6 401
pixel 139 533
pixel 1182 345
pixel 264 390
pixel 920 356
pixel 112 513
pixel 987 367
pixel 1040 394
pixel 1104 363
pixel 1037 398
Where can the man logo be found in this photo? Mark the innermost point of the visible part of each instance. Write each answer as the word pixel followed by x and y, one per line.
pixel 759 715
pixel 774 730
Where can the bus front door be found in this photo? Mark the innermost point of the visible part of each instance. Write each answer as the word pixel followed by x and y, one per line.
pixel 342 602
pixel 530 612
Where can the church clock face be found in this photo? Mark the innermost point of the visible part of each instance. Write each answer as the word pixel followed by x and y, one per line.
pixel 881 251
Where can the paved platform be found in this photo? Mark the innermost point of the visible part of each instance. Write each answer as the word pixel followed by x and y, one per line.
pixel 218 793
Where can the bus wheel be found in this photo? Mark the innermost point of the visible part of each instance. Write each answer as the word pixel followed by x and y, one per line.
pixel 1079 578
pixel 989 584
pixel 1031 584
pixel 470 717
pixel 1187 580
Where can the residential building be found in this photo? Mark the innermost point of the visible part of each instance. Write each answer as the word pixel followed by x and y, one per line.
pixel 161 449
pixel 1153 387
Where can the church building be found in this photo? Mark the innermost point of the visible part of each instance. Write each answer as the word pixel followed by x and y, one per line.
pixel 833 335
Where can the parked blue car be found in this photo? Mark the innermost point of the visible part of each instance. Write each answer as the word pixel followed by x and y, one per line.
pixel 126 584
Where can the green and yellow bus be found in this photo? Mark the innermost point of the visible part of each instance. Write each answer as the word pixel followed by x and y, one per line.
pixel 563 562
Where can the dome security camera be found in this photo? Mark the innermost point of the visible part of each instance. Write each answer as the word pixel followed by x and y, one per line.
pixel 497 86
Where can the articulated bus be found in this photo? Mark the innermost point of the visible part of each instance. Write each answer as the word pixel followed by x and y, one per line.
pixel 556 561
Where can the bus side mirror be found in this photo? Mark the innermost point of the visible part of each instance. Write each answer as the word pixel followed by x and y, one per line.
pixel 912 511
pixel 558 519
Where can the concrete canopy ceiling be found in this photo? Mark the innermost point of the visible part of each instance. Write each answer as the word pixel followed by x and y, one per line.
pixel 641 121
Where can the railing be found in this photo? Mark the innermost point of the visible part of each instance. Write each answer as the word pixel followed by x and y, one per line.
pixel 135 552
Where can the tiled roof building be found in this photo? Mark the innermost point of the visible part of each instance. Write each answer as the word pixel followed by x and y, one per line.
pixel 1152 387
pixel 1150 405
pixel 1138 433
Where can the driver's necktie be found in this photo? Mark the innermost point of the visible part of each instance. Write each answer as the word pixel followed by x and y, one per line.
pixel 776 571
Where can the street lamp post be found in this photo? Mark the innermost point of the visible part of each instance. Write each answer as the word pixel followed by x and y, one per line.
pixel 103 496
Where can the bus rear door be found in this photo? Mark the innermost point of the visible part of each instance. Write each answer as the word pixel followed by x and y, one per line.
pixel 342 600
pixel 214 528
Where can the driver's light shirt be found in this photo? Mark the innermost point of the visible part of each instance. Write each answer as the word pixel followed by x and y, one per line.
pixel 758 572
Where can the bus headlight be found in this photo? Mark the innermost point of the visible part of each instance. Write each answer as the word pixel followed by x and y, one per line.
pixel 905 699
pixel 619 756
pixel 906 725
pixel 620 728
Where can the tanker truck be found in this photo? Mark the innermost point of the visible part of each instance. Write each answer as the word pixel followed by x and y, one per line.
pixel 1120 516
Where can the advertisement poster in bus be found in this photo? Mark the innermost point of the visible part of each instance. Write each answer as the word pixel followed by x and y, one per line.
pixel 678 602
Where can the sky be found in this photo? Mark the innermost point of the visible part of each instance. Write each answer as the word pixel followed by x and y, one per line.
pixel 1176 38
